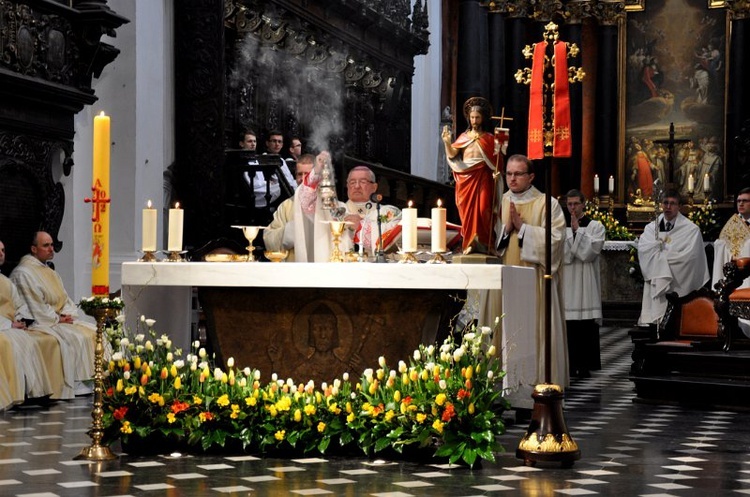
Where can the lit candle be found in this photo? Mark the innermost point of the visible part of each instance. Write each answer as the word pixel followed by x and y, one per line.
pixel 438 229
pixel 706 183
pixel 409 229
pixel 100 208
pixel 596 183
pixel 691 183
pixel 149 228
pixel 611 185
pixel 176 218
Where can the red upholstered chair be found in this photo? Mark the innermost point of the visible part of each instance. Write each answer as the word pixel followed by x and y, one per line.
pixel 733 303
pixel 690 321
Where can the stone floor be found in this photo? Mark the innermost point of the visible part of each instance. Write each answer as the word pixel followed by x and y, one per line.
pixel 627 448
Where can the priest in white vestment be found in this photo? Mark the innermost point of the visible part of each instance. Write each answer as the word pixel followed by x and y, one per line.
pixel 584 241
pixel 734 242
pixel 55 313
pixel 521 242
pixel 672 259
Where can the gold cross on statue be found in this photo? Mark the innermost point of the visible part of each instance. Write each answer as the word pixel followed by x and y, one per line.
pixel 502 118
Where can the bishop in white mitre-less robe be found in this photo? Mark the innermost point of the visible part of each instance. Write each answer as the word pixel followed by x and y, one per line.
pixel 529 251
pixel 733 243
pixel 671 261
pixel 42 289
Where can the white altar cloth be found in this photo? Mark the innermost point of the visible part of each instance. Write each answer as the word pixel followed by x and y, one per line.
pixel 163 291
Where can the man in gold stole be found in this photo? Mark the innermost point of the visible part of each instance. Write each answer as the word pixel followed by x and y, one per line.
pixel 521 242
pixel 56 314
pixel 734 242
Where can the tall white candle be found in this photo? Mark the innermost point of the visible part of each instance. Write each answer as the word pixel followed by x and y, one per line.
pixel 438 229
pixel 176 218
pixel 149 228
pixel 611 185
pixel 691 183
pixel 409 229
pixel 596 183
pixel 706 183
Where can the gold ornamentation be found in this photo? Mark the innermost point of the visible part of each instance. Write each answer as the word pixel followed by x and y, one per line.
pixel 547 387
pixel 532 442
pixel 734 233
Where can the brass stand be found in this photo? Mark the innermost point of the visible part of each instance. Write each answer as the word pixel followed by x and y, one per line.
pixel 96 451
pixel 437 258
pixel 148 257
pixel 611 206
pixel 691 202
pixel 547 437
pixel 175 256
pixel 408 258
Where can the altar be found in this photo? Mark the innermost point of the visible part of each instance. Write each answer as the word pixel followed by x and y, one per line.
pixel 319 320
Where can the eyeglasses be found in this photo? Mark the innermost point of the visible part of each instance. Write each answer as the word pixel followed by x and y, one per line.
pixel 360 182
pixel 743 200
pixel 515 175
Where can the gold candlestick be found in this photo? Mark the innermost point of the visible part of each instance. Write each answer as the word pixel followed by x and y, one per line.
pixel 96 451
pixel 148 257
pixel 408 258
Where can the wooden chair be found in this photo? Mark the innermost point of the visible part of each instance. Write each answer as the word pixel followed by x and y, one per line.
pixel 733 302
pixel 690 321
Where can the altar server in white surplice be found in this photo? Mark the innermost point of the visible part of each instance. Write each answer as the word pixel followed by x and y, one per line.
pixel 672 259
pixel 55 313
pixel 521 242
pixel 734 242
pixel 584 241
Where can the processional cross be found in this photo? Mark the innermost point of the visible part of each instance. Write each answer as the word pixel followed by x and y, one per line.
pixel 549 136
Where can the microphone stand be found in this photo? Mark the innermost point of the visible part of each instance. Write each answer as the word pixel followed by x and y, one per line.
pixel 380 255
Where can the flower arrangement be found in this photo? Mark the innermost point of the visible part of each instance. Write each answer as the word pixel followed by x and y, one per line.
pixel 89 304
pixel 706 218
pixel 614 230
pixel 445 399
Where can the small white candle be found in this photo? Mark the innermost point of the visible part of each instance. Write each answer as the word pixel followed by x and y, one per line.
pixel 176 218
pixel 596 183
pixel 438 229
pixel 611 185
pixel 706 183
pixel 149 228
pixel 409 229
pixel 691 183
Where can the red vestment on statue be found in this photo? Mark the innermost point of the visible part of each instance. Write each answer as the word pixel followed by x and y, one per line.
pixel 645 178
pixel 475 189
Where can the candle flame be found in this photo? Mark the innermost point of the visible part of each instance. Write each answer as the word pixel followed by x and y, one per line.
pixel 176 205
pixel 102 114
pixel 440 203
pixel 410 202
pixel 148 204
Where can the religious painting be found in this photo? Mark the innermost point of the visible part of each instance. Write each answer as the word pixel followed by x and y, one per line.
pixel 675 60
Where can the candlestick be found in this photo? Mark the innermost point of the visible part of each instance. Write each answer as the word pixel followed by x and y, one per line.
pixel 99 201
pixel 149 229
pixel 409 229
pixel 176 219
pixel 611 185
pixel 437 230
pixel 691 184
pixel 596 184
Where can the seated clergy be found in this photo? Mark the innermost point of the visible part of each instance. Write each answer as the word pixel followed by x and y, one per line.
pixel 672 259
pixel 29 369
pixel 55 313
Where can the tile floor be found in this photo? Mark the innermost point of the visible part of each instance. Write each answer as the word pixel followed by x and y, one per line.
pixel 628 449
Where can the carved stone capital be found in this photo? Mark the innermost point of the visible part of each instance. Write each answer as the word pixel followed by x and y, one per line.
pixel 739 9
pixel 608 12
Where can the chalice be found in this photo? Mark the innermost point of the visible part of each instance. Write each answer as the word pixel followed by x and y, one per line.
pixel 337 229
pixel 250 233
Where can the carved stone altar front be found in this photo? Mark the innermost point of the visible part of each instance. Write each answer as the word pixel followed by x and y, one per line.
pixel 319 334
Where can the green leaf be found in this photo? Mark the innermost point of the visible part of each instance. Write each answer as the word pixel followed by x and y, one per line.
pixel 382 443
pixel 323 445
pixel 469 457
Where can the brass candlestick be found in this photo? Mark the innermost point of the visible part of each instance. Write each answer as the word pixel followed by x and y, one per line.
pixel 437 258
pixel 148 256
pixel 96 451
pixel 408 258
pixel 175 256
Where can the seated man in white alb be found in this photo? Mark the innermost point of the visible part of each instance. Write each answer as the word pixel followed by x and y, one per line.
pixel 54 312
pixel 734 242
pixel 672 259
pixel 31 375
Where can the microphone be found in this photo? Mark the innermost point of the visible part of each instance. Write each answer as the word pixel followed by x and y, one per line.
pixel 376 198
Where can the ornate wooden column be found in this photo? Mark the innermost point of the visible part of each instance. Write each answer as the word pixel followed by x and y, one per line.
pixel 738 105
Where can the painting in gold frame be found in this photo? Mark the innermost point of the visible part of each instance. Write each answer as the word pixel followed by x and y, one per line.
pixel 673 60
